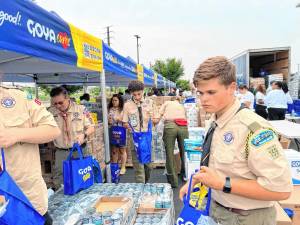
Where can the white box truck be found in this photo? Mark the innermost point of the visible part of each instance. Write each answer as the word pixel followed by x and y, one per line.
pixel 259 63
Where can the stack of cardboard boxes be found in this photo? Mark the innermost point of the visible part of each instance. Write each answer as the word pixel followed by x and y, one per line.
pixel 47 156
pixel 95 144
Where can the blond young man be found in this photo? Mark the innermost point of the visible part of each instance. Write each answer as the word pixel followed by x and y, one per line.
pixel 245 164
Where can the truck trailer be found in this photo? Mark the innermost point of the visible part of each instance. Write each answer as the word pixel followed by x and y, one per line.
pixel 263 63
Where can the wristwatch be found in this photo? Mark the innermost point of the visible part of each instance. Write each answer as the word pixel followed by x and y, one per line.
pixel 227 186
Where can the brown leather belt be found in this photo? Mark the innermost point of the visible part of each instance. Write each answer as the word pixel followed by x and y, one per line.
pixel 237 211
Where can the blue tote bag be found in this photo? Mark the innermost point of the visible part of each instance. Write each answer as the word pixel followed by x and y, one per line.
pixel 19 210
pixel 97 171
pixel 143 144
pixel 190 215
pixel 115 172
pixel 77 172
pixel 118 135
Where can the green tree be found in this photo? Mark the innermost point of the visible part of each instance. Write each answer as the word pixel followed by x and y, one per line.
pixel 183 85
pixel 171 68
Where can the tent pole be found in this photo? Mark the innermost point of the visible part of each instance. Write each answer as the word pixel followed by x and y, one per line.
pixel 36 89
pixel 105 126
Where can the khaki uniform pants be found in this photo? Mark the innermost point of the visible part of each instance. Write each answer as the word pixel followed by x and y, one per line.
pixel 265 216
pixel 142 171
pixel 172 132
pixel 60 156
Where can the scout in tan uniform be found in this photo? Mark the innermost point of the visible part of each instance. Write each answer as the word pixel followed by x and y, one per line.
pixel 247 169
pixel 175 127
pixel 25 123
pixel 138 111
pixel 75 124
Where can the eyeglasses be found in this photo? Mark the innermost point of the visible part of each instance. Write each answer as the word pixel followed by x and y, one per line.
pixel 58 103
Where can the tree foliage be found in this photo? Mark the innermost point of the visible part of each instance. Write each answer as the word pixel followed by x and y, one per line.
pixel 171 68
pixel 183 85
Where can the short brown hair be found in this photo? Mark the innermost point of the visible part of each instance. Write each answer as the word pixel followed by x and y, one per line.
pixel 216 67
pixel 136 85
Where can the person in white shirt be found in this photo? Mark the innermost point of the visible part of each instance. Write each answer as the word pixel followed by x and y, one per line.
pixel 287 94
pixel 277 102
pixel 246 97
pixel 260 96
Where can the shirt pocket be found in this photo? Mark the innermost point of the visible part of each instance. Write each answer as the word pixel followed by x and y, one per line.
pixel 20 121
pixel 224 159
pixel 77 123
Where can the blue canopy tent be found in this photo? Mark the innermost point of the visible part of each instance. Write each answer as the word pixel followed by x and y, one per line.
pixel 35 44
pixel 38 46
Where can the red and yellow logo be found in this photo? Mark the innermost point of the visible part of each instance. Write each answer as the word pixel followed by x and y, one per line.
pixel 63 39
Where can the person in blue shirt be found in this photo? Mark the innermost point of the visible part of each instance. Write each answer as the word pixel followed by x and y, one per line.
pixel 277 102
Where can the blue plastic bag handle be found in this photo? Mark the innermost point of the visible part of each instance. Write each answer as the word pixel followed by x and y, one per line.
pixel 75 147
pixel 188 196
pixel 3 160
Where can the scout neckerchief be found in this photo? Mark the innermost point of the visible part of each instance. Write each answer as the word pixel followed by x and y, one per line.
pixel 208 140
pixel 66 125
pixel 140 112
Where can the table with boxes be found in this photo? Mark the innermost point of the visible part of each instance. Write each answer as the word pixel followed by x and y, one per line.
pixel 115 204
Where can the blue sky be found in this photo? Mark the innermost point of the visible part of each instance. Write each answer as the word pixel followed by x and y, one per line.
pixel 191 30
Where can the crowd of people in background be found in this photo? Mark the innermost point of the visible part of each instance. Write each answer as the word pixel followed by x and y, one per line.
pixel 270 104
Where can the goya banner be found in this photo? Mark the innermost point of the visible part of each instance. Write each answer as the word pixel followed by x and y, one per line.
pixel 28 29
pixel 140 72
pixel 88 49
pixel 148 76
pixel 117 64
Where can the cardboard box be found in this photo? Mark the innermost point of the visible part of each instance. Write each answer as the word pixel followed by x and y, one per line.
pixel 281 217
pixel 113 203
pixel 293 203
pixel 293 158
pixel 285 142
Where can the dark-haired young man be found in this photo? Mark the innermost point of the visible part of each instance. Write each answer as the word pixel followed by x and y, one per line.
pixel 242 160
pixel 75 124
pixel 138 111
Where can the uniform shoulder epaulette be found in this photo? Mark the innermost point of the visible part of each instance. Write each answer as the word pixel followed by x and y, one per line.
pixel 251 120
pixel 11 87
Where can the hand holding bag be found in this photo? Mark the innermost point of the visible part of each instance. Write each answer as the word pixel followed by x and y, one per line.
pixel 78 173
pixel 190 215
pixel 19 210
pixel 143 143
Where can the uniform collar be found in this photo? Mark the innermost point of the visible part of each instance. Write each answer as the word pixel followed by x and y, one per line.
pixel 140 102
pixel 70 110
pixel 228 115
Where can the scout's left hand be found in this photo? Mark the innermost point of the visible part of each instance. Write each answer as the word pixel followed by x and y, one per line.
pixel 80 139
pixel 209 178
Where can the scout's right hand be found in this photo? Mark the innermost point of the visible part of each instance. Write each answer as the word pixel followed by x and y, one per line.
pixel 8 138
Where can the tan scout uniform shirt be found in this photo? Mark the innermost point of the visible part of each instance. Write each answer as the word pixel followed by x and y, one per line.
pixel 131 114
pixel 264 160
pixel 78 120
pixel 23 159
pixel 171 110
